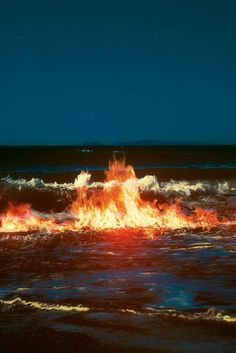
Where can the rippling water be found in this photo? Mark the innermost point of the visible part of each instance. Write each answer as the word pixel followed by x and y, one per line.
pixel 120 290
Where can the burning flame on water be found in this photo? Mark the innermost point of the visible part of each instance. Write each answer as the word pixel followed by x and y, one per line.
pixel 116 205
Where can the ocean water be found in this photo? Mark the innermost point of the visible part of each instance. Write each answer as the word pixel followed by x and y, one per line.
pixel 119 290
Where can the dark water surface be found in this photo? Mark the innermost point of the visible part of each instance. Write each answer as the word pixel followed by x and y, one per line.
pixel 119 291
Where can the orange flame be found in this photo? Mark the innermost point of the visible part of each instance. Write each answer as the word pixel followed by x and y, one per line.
pixel 21 218
pixel 117 205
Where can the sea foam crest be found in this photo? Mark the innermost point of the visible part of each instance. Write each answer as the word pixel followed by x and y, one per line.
pixel 44 306
pixel 210 314
pixel 148 183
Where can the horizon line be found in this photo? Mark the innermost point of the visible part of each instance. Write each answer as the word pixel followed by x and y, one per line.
pixel 121 145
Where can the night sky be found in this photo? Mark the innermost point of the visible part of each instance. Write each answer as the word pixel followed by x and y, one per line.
pixel 117 71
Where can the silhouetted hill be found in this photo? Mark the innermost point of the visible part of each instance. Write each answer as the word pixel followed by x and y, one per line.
pixel 92 143
pixel 145 142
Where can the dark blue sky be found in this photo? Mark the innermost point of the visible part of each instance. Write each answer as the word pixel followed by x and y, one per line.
pixel 110 71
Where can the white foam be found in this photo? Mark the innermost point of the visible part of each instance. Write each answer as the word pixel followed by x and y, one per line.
pixel 210 314
pixel 45 306
pixel 149 183
pixel 36 183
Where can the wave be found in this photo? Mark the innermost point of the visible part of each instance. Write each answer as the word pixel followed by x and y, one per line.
pixel 56 197
pixel 148 183
pixel 121 201
pixel 212 314
pixel 43 306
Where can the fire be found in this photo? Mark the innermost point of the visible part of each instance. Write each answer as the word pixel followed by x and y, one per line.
pixel 21 218
pixel 119 205
pixel 116 205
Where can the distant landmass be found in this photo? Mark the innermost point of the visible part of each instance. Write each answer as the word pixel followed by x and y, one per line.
pixel 154 143
pixel 146 142
pixel 93 143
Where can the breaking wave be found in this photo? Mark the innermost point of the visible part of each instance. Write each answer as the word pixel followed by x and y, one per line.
pixel 149 183
pixel 56 197
pixel 212 314
pixel 121 201
pixel 43 306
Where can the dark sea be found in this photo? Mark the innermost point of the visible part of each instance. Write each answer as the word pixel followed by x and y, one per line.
pixel 99 291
